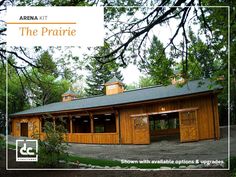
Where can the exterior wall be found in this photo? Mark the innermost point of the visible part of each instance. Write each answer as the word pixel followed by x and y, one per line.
pixel 96 138
pixel 126 123
pixel 68 97
pixel 206 120
pixel 33 126
pixel 90 138
pixel 114 88
pixel 207 115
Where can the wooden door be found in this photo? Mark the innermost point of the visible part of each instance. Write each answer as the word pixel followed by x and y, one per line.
pixel 24 129
pixel 141 133
pixel 188 126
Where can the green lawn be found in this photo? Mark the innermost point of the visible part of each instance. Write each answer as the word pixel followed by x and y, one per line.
pixel 11 146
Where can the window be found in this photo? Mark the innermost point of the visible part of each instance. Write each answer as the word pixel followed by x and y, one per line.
pixel 104 123
pixel 81 124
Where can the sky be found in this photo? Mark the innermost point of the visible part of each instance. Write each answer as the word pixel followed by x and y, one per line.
pixel 131 73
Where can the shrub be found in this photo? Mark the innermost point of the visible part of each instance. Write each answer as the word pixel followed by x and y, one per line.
pixel 2 143
pixel 233 166
pixel 53 149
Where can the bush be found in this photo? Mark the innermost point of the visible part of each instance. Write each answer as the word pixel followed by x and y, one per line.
pixel 2 143
pixel 53 149
pixel 233 166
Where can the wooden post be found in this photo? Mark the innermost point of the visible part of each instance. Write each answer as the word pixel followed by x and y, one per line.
pixel 40 127
pixel 117 121
pixel 91 122
pixel 71 126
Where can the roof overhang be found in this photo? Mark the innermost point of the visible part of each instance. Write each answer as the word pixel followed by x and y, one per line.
pixel 115 106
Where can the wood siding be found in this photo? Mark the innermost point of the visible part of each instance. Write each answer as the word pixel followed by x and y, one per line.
pixel 205 114
pixel 207 120
pixel 33 126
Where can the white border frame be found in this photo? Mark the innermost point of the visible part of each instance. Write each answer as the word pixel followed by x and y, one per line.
pixel 35 169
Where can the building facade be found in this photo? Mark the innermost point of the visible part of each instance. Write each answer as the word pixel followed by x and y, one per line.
pixel 187 113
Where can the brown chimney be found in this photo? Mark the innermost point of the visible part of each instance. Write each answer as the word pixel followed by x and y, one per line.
pixel 114 86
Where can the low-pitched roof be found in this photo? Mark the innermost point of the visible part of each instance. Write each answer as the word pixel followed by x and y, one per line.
pixel 132 96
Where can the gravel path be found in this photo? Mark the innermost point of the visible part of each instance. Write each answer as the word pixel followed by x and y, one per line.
pixel 202 150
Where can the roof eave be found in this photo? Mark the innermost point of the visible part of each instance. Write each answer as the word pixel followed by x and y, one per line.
pixel 214 91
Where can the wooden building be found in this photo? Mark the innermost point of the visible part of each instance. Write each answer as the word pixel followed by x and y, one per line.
pixel 188 113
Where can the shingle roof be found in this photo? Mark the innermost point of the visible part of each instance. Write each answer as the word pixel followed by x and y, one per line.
pixel 138 95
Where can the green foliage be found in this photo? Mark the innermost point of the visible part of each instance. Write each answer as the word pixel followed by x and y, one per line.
pixel 157 66
pixel 2 143
pixel 232 167
pixel 46 64
pixel 217 19
pixel 101 72
pixel 131 86
pixel 146 82
pixel 17 99
pixel 45 87
pixel 142 83
pixel 53 149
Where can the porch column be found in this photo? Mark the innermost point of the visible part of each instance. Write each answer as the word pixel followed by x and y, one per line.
pixel 71 127
pixel 92 123
pixel 117 121
pixel 40 127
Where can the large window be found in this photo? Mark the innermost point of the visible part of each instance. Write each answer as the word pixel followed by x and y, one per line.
pixel 81 124
pixel 104 123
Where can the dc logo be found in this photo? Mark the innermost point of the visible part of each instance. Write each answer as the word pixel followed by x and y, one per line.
pixel 26 150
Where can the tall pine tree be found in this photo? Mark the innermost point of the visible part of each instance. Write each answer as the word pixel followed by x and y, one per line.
pixel 157 65
pixel 101 73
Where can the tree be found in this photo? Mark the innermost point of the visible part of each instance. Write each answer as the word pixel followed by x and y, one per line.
pixel 132 35
pixel 157 65
pixel 53 148
pixel 45 86
pixel 217 19
pixel 127 37
pixel 17 99
pixel 142 83
pixel 47 65
pixel 146 82
pixel 100 74
pixel 202 63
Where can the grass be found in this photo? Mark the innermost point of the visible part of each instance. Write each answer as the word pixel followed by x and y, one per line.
pixel 114 163
pixel 11 146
